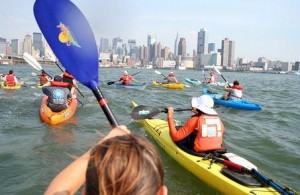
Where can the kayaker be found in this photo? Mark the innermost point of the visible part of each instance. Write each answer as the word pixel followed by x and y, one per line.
pixel 44 78
pixel 68 78
pixel 171 78
pixel 126 78
pixel 234 92
pixel 10 79
pixel 120 163
pixel 58 94
pixel 213 77
pixel 203 131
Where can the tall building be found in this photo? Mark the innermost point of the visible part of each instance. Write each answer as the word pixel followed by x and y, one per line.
pixel 201 47
pixel 182 47
pixel 176 45
pixel 14 47
pixel 104 45
pixel 227 53
pixel 27 44
pixel 37 43
pixel 151 39
pixel 2 46
pixel 211 47
pixel 133 51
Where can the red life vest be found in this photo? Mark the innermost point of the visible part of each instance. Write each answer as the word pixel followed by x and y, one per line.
pixel 68 75
pixel 210 133
pixel 171 75
pixel 126 79
pixel 10 80
pixel 239 87
pixel 59 84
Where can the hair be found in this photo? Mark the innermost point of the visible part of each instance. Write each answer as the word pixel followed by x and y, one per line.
pixel 124 165
pixel 10 72
pixel 236 83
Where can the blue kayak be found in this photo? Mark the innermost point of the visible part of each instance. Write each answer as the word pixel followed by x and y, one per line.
pixel 238 104
pixel 194 82
pixel 140 86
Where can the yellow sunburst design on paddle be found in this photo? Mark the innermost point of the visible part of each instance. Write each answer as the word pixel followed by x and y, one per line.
pixel 65 36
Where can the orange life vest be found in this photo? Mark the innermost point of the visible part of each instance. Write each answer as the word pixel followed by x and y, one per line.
pixel 126 79
pixel 210 133
pixel 68 75
pixel 10 80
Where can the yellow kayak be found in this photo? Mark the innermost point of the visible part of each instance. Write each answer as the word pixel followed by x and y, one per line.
pixel 210 171
pixel 169 85
pixel 10 87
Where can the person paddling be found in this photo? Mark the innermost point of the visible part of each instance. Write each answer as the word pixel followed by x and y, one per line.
pixel 126 78
pixel 171 78
pixel 10 79
pixel 203 131
pixel 213 77
pixel 58 94
pixel 234 92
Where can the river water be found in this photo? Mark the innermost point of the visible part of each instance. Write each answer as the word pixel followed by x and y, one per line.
pixel 32 152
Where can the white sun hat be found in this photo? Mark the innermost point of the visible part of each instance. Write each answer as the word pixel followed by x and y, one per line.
pixel 125 72
pixel 204 103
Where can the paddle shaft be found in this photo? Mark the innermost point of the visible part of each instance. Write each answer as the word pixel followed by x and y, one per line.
pixel 63 71
pixel 262 177
pixel 177 110
pixel 104 105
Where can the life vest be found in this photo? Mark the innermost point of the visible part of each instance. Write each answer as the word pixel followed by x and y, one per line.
pixel 59 84
pixel 171 75
pixel 237 92
pixel 43 79
pixel 126 79
pixel 68 75
pixel 210 133
pixel 10 80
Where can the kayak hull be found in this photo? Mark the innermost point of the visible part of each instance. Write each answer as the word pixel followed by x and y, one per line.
pixel 18 86
pixel 169 85
pixel 140 86
pixel 54 118
pixel 206 171
pixel 238 104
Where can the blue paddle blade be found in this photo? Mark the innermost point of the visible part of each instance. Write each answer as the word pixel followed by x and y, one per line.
pixel 70 37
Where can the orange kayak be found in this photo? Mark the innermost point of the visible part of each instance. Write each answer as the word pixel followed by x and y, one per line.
pixel 54 118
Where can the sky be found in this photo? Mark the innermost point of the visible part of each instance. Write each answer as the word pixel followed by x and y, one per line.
pixel 260 28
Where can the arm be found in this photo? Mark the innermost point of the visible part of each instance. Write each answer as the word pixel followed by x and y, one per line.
pixel 70 179
pixel 184 131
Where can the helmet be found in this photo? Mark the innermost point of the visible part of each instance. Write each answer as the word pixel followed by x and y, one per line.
pixel 58 78
pixel 204 103
pixel 125 72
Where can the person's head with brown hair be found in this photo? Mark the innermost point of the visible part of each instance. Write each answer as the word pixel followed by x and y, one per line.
pixel 125 165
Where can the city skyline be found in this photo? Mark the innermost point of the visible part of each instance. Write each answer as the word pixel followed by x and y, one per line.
pixel 260 29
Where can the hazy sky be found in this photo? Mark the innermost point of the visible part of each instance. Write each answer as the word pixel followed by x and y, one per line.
pixel 268 28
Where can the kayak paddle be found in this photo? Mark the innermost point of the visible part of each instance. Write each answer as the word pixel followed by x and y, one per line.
pixel 216 69
pixel 145 112
pixel 113 82
pixel 33 62
pixel 71 38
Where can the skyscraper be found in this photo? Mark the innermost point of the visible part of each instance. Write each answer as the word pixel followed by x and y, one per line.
pixel 201 47
pixel 104 45
pixel 37 43
pixel 151 39
pixel 211 47
pixel 3 46
pixel 175 45
pixel 227 54
pixel 182 47
pixel 27 44
pixel 14 47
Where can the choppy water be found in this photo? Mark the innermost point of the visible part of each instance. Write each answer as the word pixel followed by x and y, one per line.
pixel 32 153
